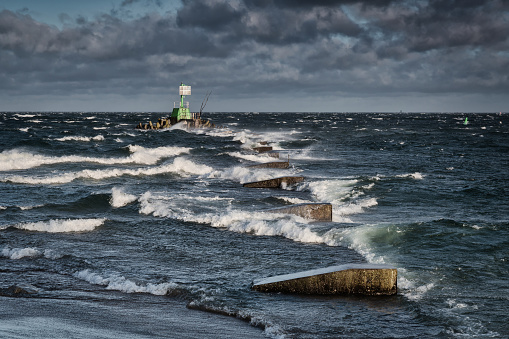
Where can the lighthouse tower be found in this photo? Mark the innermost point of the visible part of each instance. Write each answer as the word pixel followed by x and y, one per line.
pixel 181 112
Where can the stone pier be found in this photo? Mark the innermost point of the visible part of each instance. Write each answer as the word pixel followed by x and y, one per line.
pixel 315 211
pixel 274 183
pixel 365 279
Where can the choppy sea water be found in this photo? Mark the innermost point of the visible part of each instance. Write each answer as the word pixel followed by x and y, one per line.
pixel 92 209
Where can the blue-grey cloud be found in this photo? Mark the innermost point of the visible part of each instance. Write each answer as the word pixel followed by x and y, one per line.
pixel 256 47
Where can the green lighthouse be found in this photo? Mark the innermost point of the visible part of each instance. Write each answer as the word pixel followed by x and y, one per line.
pixel 182 111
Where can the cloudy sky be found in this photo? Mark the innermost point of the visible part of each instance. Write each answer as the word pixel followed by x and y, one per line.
pixel 255 55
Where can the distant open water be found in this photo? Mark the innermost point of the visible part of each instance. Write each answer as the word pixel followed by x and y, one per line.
pixel 91 207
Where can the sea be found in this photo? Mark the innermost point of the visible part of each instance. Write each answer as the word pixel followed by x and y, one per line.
pixel 121 223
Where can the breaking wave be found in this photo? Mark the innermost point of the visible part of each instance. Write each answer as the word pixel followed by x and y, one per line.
pixel 84 139
pixel 180 166
pixel 119 198
pixel 19 159
pixel 120 283
pixel 31 252
pixel 62 225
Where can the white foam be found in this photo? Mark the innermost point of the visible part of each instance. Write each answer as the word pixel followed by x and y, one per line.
pixel 331 190
pixel 119 198
pixel 294 200
pixel 25 208
pixel 257 223
pixel 251 157
pixel 19 159
pixel 243 174
pixel 18 253
pixel 354 207
pixel 62 225
pixel 180 166
pixel 416 175
pixel 120 283
pixel 418 293
pixel 80 138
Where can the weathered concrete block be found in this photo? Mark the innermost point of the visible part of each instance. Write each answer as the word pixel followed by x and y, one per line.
pixel 366 279
pixel 274 183
pixel 273 154
pixel 275 164
pixel 315 211
pixel 262 149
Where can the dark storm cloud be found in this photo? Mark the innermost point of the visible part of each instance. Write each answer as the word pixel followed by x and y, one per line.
pixel 254 47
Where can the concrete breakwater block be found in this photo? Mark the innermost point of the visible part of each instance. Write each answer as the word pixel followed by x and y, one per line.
pixel 262 149
pixel 274 183
pixel 19 290
pixel 315 211
pixel 365 279
pixel 275 164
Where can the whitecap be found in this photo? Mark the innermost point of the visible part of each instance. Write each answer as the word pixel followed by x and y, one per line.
pixel 18 253
pixel 180 166
pixel 119 198
pixel 62 225
pixel 120 283
pixel 19 159
pixel 80 138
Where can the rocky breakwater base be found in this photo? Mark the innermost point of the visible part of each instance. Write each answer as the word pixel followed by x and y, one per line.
pixel 314 211
pixel 274 183
pixel 363 279
pixel 167 123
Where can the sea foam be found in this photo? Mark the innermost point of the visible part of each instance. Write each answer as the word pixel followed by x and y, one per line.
pixel 81 138
pixel 18 253
pixel 180 166
pixel 120 283
pixel 257 223
pixel 62 225
pixel 119 198
pixel 20 159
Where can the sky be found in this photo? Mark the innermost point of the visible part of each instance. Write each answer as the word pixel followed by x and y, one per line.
pixel 255 55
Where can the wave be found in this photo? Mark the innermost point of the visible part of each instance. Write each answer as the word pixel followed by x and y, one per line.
pixel 243 174
pixel 84 139
pixel 252 157
pixel 270 329
pixel 332 191
pixel 256 223
pixel 19 159
pixel 61 225
pixel 119 198
pixel 367 240
pixel 120 283
pixel 180 166
pixel 18 253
